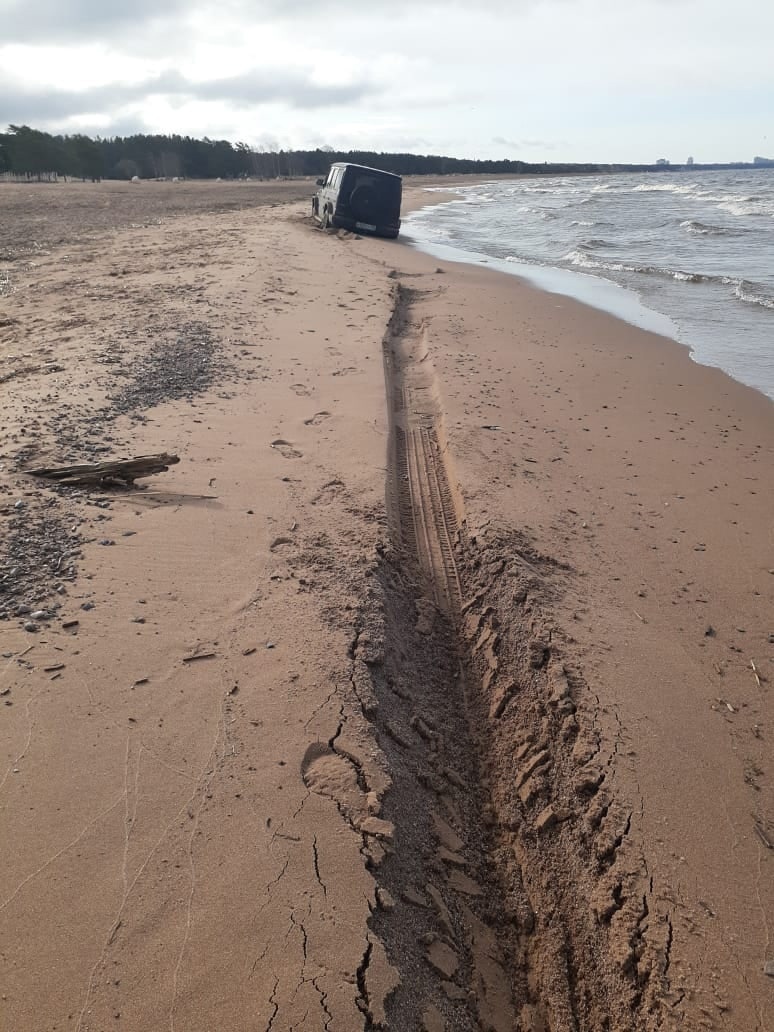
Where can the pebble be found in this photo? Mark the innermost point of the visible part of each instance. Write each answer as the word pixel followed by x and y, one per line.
pixel 87 606
pixel 22 611
pixel 30 626
pixel 385 900
pixel 40 614
pixel 768 968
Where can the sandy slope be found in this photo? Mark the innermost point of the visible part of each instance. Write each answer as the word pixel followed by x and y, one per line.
pixel 481 573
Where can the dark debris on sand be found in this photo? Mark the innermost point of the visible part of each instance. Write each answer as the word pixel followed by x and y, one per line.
pixel 39 553
pixel 168 371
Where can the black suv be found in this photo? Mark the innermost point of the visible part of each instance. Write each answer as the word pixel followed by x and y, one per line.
pixel 364 200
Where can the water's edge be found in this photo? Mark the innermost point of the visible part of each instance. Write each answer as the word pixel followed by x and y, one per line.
pixel 587 288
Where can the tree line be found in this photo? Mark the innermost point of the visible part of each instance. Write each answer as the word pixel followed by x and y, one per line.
pixel 32 153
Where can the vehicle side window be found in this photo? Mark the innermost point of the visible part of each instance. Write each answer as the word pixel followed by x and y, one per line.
pixel 331 176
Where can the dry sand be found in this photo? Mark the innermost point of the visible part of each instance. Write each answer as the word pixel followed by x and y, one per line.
pixel 481 583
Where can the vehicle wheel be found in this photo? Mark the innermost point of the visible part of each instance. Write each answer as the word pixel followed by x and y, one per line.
pixel 364 203
pixel 325 220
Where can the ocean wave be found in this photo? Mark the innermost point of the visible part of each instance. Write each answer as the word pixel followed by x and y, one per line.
pixel 746 206
pixel 704 228
pixel 538 213
pixel 744 290
pixel 594 243
pixel 752 294
pixel 586 261
pixel 676 188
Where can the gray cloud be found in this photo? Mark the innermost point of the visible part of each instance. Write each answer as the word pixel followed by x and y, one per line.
pixel 297 90
pixel 58 21
pixel 53 21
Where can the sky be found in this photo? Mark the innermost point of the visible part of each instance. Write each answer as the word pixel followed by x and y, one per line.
pixel 537 80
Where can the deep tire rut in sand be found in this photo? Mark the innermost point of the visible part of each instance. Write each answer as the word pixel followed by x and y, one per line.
pixel 515 895
pixel 424 512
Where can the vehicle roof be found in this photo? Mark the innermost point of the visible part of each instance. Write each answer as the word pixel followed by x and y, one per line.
pixel 365 168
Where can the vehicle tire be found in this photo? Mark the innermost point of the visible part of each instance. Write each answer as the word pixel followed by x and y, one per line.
pixel 325 220
pixel 364 203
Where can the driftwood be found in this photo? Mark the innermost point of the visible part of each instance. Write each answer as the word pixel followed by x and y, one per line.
pixel 118 473
pixel 49 367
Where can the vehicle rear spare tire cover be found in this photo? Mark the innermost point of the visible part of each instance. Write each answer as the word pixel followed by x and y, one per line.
pixel 364 203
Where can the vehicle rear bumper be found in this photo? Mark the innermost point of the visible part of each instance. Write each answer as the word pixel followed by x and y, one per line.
pixel 385 229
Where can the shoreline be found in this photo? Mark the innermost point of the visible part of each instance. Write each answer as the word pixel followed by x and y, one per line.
pixel 404 474
pixel 594 290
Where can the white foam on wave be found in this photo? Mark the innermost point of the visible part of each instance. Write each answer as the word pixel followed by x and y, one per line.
pixel 749 293
pixel 703 228
pixel 581 259
pixel 584 261
pixel 742 206
pixel 675 188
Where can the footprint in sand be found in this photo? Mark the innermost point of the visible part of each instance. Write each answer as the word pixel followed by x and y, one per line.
pixel 335 775
pixel 280 542
pixel 330 774
pixel 286 449
pixel 300 389
pixel 328 492
pixel 317 418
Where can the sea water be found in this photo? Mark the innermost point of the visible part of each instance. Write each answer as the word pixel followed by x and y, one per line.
pixel 685 254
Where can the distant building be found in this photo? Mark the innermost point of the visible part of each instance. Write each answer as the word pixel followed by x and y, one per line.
pixel 689 161
pixel 663 161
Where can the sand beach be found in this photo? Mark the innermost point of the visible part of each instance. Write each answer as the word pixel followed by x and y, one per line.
pixel 431 689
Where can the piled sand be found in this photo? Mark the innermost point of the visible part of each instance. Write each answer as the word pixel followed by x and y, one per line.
pixel 431 689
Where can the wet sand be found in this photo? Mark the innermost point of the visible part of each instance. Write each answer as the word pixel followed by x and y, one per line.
pixel 479 582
